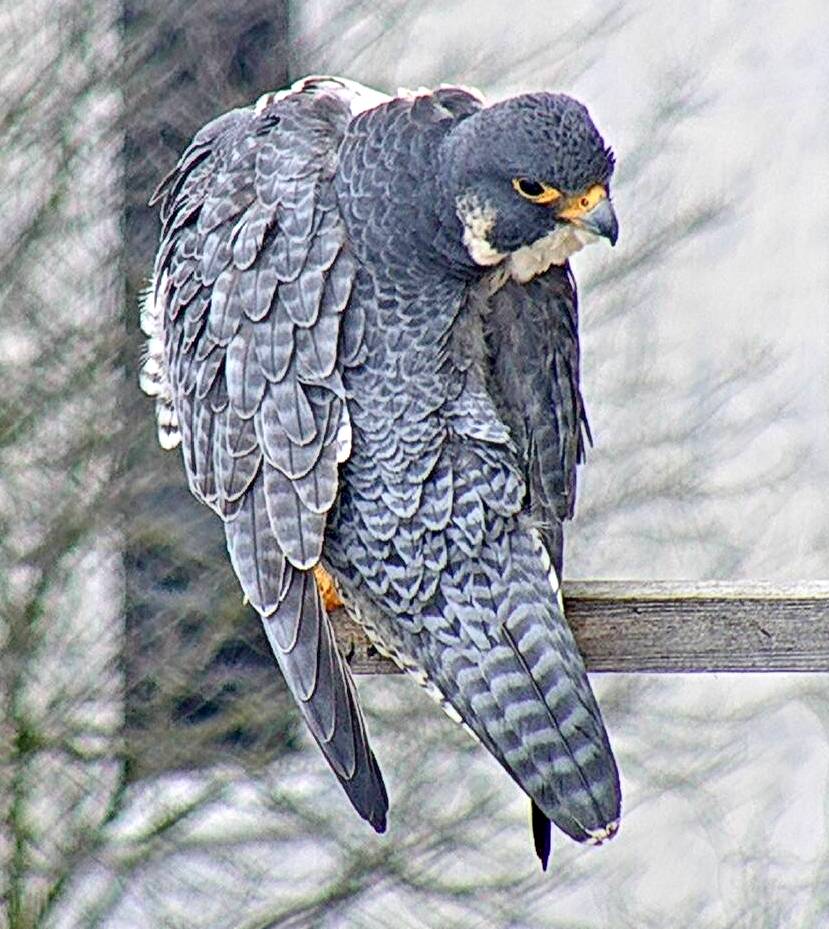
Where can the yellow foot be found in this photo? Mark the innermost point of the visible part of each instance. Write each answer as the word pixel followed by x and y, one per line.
pixel 325 583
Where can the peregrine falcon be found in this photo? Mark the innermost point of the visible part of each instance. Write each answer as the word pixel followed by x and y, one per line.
pixel 362 332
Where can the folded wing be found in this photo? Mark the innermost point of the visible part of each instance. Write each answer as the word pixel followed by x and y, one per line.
pixel 247 324
pixel 533 348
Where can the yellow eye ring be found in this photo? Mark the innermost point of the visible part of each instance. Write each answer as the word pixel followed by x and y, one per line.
pixel 535 191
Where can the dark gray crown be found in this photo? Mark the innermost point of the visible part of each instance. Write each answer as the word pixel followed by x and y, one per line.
pixel 543 136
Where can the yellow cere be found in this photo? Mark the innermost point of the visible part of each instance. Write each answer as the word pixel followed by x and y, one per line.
pixel 583 203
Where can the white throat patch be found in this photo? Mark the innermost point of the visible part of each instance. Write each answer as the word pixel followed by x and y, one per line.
pixel 552 249
pixel 526 262
pixel 477 224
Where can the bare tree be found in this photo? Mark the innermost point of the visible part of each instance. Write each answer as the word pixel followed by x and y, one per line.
pixel 61 298
pixel 197 661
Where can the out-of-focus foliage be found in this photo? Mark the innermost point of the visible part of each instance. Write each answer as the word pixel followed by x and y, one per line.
pixel 197 661
pixel 97 689
pixel 60 304
pixel 151 771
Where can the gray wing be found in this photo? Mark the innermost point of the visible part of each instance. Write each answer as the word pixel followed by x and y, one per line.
pixel 532 341
pixel 252 280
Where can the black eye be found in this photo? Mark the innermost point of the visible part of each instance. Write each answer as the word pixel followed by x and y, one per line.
pixel 529 188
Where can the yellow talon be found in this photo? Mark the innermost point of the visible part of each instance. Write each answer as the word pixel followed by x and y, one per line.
pixel 325 583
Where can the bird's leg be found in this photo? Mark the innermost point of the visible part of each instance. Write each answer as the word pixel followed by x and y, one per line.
pixel 325 583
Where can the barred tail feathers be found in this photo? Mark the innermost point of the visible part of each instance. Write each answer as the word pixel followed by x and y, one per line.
pixel 517 680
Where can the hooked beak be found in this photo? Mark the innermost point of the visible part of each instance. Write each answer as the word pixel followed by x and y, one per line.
pixel 601 220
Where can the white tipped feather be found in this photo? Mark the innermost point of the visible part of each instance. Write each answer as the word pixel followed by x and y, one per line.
pixel 405 664
pixel 552 574
pixel 359 97
pixel 472 91
pixel 597 836
pixel 344 437
pixel 152 376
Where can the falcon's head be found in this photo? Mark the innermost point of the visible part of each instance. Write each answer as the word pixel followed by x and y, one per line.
pixel 529 180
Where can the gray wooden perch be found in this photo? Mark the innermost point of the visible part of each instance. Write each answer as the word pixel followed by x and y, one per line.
pixel 675 626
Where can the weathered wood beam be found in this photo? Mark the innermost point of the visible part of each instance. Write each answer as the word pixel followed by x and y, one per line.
pixel 676 626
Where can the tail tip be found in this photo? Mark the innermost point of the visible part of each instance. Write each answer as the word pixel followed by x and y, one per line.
pixel 603 834
pixel 377 821
pixel 542 838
